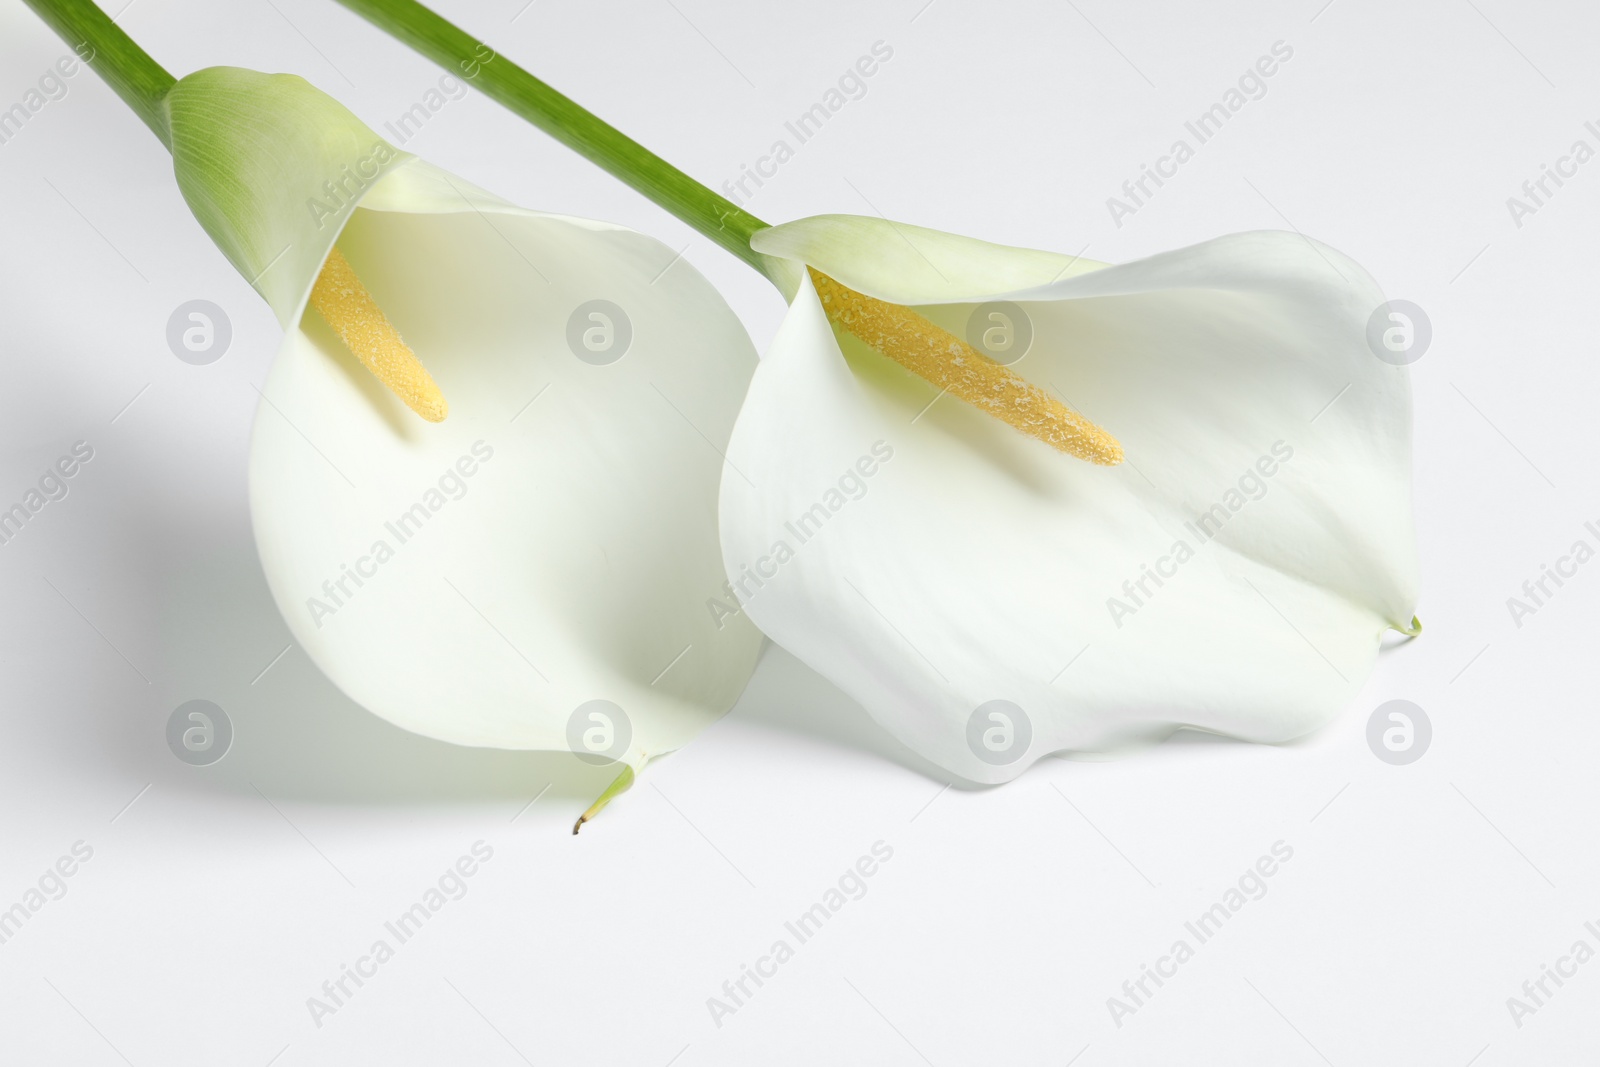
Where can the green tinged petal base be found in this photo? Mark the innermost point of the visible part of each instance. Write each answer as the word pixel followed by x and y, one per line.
pixel 272 167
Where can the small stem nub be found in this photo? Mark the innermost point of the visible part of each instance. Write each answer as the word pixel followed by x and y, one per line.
pixel 355 316
pixel 961 370
pixel 620 785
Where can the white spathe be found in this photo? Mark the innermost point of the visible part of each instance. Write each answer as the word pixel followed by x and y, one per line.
pixel 554 541
pixel 1235 574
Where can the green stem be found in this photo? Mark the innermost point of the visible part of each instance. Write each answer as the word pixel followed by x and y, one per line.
pixel 128 69
pixel 616 788
pixel 570 123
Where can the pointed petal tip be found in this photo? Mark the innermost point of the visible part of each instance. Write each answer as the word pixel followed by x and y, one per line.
pixel 618 786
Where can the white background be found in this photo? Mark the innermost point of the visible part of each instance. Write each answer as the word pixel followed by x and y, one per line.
pixel 1419 898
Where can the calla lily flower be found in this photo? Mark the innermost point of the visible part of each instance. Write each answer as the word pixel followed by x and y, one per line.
pixel 907 505
pixel 530 571
pixel 483 476
pixel 990 600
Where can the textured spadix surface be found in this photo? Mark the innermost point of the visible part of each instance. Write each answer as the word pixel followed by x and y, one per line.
pixel 1234 574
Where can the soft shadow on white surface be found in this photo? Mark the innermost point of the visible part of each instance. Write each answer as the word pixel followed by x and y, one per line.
pixel 787 697
pixel 217 635
pixel 296 735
